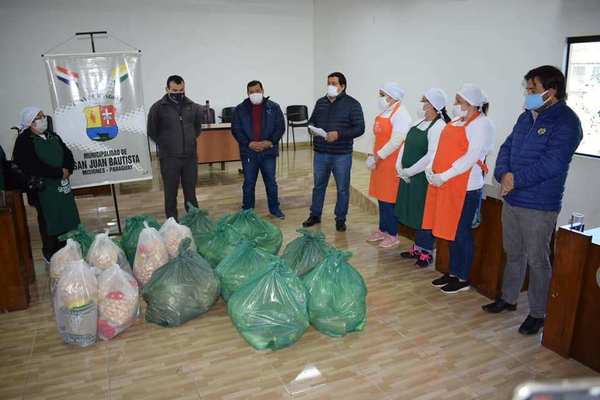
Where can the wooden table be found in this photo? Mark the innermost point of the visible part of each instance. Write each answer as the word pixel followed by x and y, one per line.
pixel 216 144
pixel 572 327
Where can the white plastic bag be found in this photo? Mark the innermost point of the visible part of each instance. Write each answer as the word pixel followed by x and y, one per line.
pixel 62 259
pixel 173 233
pixel 76 304
pixel 118 302
pixel 370 162
pixel 104 253
pixel 150 255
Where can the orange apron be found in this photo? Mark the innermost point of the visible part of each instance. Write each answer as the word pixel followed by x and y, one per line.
pixel 384 178
pixel 444 204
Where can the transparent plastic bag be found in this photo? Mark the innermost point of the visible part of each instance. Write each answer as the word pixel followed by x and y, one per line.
pixel 151 254
pixel 118 302
pixel 243 265
pixel 270 312
pixel 198 221
pixel 76 304
pixel 337 295
pixel 173 234
pixel 252 227
pixel 182 290
pixel 131 233
pixel 214 246
pixel 104 253
pixel 81 236
pixel 61 260
pixel 305 252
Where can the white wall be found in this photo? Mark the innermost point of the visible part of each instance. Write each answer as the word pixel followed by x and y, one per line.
pixel 428 43
pixel 217 46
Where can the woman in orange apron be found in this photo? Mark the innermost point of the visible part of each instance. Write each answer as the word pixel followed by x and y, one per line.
pixel 456 177
pixel 389 130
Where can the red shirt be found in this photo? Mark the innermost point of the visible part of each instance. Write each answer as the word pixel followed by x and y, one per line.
pixel 257 121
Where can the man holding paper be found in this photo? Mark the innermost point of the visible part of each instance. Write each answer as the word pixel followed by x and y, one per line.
pixel 340 119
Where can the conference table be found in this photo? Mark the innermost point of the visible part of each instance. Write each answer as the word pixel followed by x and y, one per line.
pixel 216 144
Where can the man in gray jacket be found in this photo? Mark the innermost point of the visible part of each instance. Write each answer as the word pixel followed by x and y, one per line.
pixel 174 123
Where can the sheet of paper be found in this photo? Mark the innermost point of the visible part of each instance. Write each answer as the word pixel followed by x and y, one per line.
pixel 317 131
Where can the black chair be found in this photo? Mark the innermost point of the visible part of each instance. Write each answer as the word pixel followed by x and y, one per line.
pixel 227 114
pixel 297 117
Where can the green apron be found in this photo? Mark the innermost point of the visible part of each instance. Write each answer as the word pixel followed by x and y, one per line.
pixel 410 202
pixel 56 200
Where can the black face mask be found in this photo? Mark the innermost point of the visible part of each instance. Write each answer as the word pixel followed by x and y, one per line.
pixel 177 97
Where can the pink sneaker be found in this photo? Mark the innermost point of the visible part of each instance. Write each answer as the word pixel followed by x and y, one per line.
pixel 376 236
pixel 389 242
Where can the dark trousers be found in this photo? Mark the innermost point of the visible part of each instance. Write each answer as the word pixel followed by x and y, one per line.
pixel 340 166
pixel 424 239
pixel 387 219
pixel 50 243
pixel 252 164
pixel 175 171
pixel 461 248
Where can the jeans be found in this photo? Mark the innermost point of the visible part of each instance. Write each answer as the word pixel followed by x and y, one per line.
pixel 324 165
pixel 251 164
pixel 175 170
pixel 424 239
pixel 461 248
pixel 387 220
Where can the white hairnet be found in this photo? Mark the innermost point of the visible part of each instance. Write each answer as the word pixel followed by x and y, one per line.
pixel 473 95
pixel 437 97
pixel 28 114
pixel 393 90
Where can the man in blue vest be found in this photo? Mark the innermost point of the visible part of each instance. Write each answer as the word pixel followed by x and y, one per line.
pixel 258 126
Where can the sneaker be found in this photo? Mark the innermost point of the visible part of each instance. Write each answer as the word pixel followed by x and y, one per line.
pixel 531 325
pixel 425 260
pixel 413 252
pixel 442 280
pixel 498 306
pixel 456 286
pixel 389 242
pixel 340 226
pixel 311 221
pixel 376 236
pixel 278 214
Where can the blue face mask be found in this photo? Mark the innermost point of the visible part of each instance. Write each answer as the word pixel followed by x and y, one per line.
pixel 534 101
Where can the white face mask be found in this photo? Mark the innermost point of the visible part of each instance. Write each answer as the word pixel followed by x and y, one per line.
pixel 256 98
pixel 332 91
pixel 383 103
pixel 41 125
pixel 458 112
pixel 420 112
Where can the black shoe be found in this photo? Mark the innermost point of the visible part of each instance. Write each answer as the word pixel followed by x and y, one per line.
pixel 443 280
pixel 498 306
pixel 278 214
pixel 455 286
pixel 340 226
pixel 311 221
pixel 531 325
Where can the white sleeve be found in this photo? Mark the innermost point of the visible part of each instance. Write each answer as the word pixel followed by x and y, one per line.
pixel 400 125
pixel 433 137
pixel 479 134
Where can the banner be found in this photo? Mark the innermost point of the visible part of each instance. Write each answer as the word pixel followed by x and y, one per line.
pixel 99 114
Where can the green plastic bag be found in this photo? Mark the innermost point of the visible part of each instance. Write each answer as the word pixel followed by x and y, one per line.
pixel 181 290
pixel 214 246
pixel 270 312
pixel 198 221
pixel 336 295
pixel 131 234
pixel 81 236
pixel 306 252
pixel 266 235
pixel 242 266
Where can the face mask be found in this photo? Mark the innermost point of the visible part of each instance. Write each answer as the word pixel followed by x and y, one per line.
pixel 534 101
pixel 420 113
pixel 332 91
pixel 256 98
pixel 458 112
pixel 383 103
pixel 41 125
pixel 177 97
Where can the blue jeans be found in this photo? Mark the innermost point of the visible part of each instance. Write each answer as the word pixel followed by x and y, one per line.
pixel 424 239
pixel 251 165
pixel 387 220
pixel 461 248
pixel 323 166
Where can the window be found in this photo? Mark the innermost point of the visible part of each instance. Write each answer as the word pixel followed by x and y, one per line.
pixel 583 89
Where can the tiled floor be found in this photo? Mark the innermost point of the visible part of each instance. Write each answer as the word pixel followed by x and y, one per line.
pixel 418 343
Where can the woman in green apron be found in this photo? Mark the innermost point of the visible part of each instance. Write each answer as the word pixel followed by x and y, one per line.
pixel 44 158
pixel 418 151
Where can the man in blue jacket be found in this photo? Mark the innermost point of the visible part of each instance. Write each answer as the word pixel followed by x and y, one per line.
pixel 341 116
pixel 532 168
pixel 257 125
